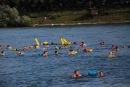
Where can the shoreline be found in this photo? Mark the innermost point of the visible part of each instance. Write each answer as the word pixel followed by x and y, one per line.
pixel 75 24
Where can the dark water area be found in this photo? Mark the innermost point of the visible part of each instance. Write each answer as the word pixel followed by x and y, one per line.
pixel 32 70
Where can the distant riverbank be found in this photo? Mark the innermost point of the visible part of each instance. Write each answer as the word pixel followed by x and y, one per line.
pixel 81 17
pixel 74 24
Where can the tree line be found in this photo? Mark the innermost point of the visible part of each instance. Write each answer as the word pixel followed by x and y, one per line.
pixel 54 5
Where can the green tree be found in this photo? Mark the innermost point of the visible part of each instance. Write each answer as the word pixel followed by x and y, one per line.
pixel 9 17
pixel 25 21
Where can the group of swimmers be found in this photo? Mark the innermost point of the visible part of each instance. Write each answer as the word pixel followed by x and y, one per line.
pixel 71 51
pixel 114 48
pixel 76 73
pixel 111 55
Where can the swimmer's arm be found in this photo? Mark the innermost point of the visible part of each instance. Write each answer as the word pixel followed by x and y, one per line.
pixel 80 75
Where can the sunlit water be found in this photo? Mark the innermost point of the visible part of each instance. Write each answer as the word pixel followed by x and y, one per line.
pixel 32 70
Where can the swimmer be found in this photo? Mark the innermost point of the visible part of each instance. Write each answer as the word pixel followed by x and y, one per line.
pixel 82 44
pixel 71 52
pixel 2 53
pixel 76 74
pixel 124 46
pixel 47 46
pixel 65 46
pixel 102 43
pixel 113 47
pixel 101 74
pixel 36 46
pixel 75 43
pixel 56 53
pixel 111 55
pixel 26 48
pixel 78 49
pixel 86 50
pixel 19 52
pixel 9 47
pixel 0 46
pixel 45 53
pixel 116 48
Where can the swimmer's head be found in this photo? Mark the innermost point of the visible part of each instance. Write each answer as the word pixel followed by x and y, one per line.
pixel 76 72
pixel 56 52
pixel 2 51
pixel 124 46
pixel 101 73
pixel 111 53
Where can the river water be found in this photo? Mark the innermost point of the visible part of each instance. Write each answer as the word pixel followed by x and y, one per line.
pixel 32 70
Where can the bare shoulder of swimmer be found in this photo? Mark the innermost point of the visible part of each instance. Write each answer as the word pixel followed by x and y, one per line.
pixel 74 76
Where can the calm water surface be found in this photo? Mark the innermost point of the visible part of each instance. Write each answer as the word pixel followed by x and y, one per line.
pixel 32 70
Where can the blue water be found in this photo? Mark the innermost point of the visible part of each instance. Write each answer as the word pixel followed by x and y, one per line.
pixel 32 70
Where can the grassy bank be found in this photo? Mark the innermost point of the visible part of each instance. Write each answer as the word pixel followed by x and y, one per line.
pixel 73 17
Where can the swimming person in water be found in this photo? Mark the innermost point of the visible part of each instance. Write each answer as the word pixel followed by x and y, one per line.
pixel 111 55
pixel 113 47
pixel 71 52
pixel 56 53
pixel 45 53
pixel 116 48
pixel 9 47
pixel 102 43
pixel 36 46
pixel 26 48
pixel 82 44
pixel 75 43
pixel 86 50
pixel 124 46
pixel 2 53
pixel 65 46
pixel 0 46
pixel 76 74
pixel 19 52
pixel 101 74
pixel 47 46
pixel 78 49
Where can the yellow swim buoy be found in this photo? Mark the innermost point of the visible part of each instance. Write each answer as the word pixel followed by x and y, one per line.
pixel 36 41
pixel 90 50
pixel 45 43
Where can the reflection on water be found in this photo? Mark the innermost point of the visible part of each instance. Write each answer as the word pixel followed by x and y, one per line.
pixel 32 70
